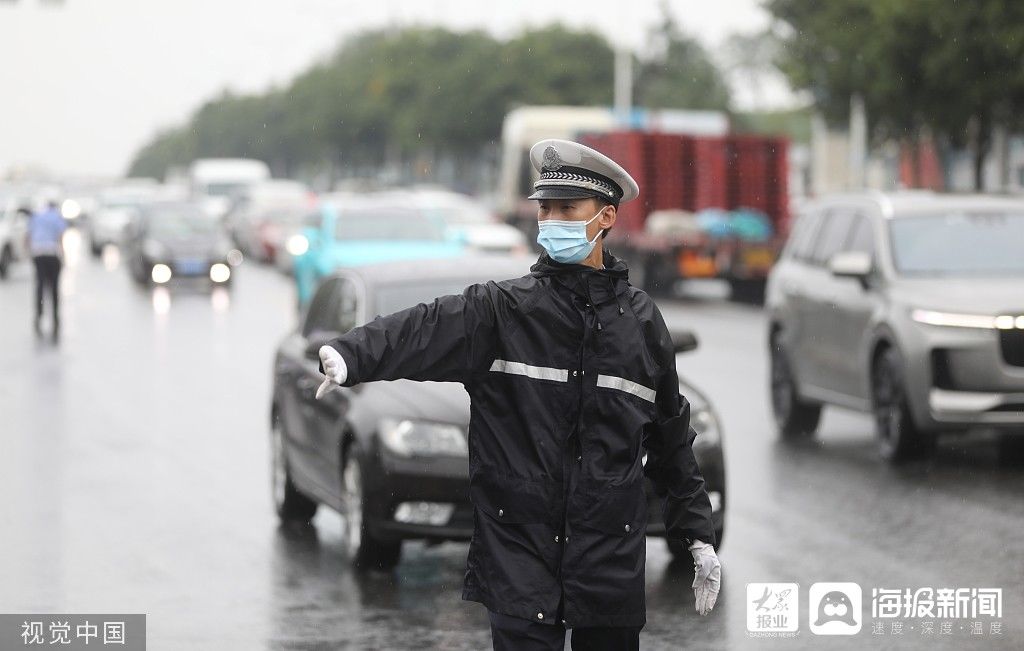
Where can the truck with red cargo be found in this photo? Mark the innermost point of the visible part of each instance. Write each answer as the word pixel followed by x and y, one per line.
pixel 709 207
pixel 711 204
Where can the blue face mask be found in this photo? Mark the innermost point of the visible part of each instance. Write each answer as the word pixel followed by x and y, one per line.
pixel 566 240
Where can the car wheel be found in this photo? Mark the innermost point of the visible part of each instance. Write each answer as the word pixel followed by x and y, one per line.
pixel 364 550
pixel 680 550
pixel 290 504
pixel 899 439
pixel 1011 449
pixel 5 262
pixel 794 418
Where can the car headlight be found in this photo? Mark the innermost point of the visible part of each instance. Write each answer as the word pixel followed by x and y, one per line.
pixel 954 320
pixel 297 245
pixel 70 209
pixel 161 274
pixel 220 273
pixel 705 424
pixel 420 438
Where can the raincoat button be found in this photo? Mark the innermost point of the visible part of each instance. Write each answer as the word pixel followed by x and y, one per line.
pixel 556 538
pixel 540 615
pixel 575 373
pixel 501 512
pixel 563 622
pixel 588 304
pixel 579 458
pixel 627 528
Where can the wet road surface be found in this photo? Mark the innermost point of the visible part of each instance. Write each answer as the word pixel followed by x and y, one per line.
pixel 134 478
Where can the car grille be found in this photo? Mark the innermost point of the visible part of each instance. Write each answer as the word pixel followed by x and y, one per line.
pixel 941 377
pixel 1012 343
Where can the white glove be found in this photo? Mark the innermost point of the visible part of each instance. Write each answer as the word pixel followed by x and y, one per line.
pixel 335 370
pixel 707 576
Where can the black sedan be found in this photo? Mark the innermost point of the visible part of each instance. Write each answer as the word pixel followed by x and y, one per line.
pixel 173 241
pixel 391 457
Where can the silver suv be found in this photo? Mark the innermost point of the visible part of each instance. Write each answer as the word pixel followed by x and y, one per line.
pixel 909 306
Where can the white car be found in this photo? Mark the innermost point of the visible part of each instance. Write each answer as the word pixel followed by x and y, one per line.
pixel 254 211
pixel 13 227
pixel 116 207
pixel 214 181
pixel 471 222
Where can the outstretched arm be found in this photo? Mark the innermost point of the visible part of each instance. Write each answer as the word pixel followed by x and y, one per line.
pixel 439 341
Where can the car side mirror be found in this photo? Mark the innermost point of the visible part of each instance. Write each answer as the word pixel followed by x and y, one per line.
pixel 851 264
pixel 316 339
pixel 683 341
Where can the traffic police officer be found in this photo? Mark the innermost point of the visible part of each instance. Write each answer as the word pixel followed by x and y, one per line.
pixel 572 379
pixel 44 243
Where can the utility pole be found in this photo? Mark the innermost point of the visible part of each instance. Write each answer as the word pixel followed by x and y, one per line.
pixel 858 142
pixel 623 85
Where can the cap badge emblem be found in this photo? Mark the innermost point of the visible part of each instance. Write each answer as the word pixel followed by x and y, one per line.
pixel 552 161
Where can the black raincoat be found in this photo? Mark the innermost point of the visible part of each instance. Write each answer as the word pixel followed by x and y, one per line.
pixel 572 379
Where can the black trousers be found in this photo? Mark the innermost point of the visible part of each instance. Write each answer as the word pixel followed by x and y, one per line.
pixel 517 634
pixel 47 275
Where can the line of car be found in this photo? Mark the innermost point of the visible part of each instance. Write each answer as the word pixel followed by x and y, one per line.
pixel 909 306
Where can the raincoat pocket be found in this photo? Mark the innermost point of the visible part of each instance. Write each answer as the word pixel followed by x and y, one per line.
pixel 511 501
pixel 618 511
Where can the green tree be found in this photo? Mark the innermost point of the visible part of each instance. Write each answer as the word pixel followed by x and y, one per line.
pixel 676 71
pixel 950 67
pixel 411 93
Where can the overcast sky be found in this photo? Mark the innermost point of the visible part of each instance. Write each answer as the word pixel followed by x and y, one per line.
pixel 84 83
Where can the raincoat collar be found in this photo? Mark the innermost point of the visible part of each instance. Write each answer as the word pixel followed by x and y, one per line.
pixel 596 285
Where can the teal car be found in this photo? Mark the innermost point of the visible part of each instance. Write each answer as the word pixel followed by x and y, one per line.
pixel 359 230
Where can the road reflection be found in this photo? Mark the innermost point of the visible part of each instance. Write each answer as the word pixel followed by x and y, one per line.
pixel 316 595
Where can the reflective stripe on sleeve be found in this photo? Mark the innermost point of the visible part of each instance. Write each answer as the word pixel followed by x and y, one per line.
pixel 622 384
pixel 535 372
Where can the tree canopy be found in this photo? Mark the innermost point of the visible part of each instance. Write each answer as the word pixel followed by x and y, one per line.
pixel 952 67
pixel 394 93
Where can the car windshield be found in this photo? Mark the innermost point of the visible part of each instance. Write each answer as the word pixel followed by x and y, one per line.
pixel 961 243
pixel 385 224
pixel 461 214
pixel 123 202
pixel 391 298
pixel 224 189
pixel 289 218
pixel 180 223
